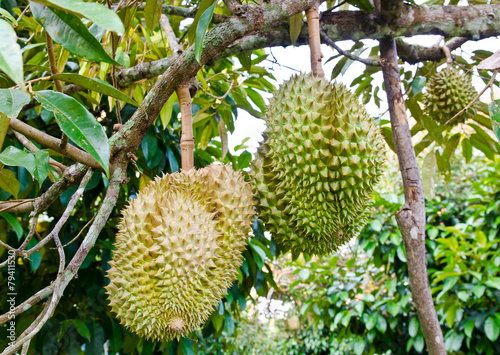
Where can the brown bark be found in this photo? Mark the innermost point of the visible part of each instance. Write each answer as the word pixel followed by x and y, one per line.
pixel 411 217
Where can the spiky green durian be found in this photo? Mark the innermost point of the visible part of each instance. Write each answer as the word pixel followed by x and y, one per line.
pixel 448 92
pixel 318 165
pixel 178 249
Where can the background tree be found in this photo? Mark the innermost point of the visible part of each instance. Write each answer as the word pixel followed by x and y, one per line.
pixel 61 223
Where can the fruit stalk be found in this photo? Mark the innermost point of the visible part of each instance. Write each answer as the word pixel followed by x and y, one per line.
pixel 187 138
pixel 312 16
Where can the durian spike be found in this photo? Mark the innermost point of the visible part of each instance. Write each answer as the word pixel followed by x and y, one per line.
pixel 187 138
pixel 312 15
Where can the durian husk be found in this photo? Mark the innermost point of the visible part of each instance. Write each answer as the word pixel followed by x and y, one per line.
pixel 178 250
pixel 318 166
pixel 449 92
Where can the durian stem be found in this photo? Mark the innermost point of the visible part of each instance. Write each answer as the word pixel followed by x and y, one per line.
pixel 447 54
pixel 187 138
pixel 312 15
pixel 411 218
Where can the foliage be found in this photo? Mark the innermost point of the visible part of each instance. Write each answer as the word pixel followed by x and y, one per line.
pixel 88 45
pixel 361 298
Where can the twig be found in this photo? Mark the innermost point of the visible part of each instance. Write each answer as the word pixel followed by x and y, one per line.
pixel 80 232
pixel 476 98
pixel 25 348
pixel 32 148
pixel 335 7
pixel 219 97
pixel 447 53
pixel 315 41
pixel 29 82
pixel 330 42
pixel 16 204
pixel 23 13
pixel 54 143
pixel 30 302
pixel 55 231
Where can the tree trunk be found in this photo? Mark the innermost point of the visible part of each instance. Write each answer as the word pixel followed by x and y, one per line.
pixel 411 217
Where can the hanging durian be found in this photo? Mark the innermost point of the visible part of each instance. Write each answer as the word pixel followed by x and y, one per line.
pixel 178 249
pixel 448 92
pixel 318 166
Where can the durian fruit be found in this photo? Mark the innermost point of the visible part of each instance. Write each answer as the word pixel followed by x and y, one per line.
pixel 178 249
pixel 448 92
pixel 318 165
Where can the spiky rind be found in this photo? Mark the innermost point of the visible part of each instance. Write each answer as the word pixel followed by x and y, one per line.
pixel 317 168
pixel 178 249
pixel 449 92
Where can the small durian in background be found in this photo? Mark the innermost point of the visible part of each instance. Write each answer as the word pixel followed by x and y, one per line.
pixel 178 249
pixel 449 92
pixel 318 166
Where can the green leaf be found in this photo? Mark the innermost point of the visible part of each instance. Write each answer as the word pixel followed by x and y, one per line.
pixel 152 13
pixel 376 225
pixel 493 282
pixel 70 32
pixel 41 166
pixel 359 347
pixel 491 329
pixel 18 229
pixel 13 156
pixel 494 109
pixel 99 14
pixel 4 126
pixel 204 4
pixel 172 160
pixel 12 101
pixel 78 124
pixel 387 133
pixel 370 321
pixel 304 274
pixel 11 59
pixel 467 149
pixel 418 343
pixel 187 346
pixel 96 85
pixel 8 16
pixel 9 183
pixel 469 327
pixel 201 29
pixel 81 328
pixel 166 111
pixel 205 136
pixel 381 324
pixel 223 138
pixel 217 320
pixel 429 174
pixel 295 27
pixel 418 84
pixel 413 327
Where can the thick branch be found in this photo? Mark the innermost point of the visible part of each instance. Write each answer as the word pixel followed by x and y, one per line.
pixel 54 143
pixel 412 53
pixel 186 66
pixel 411 218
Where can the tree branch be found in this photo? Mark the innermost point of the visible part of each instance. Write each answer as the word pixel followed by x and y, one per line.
pixel 411 218
pixel 54 143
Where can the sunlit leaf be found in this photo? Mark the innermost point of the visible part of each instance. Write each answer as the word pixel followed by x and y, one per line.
pixel 11 60
pixel 152 13
pixel 295 27
pixel 99 14
pixel 78 124
pixel 201 29
pixel 12 101
pixel 9 183
pixel 69 31
pixel 429 170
